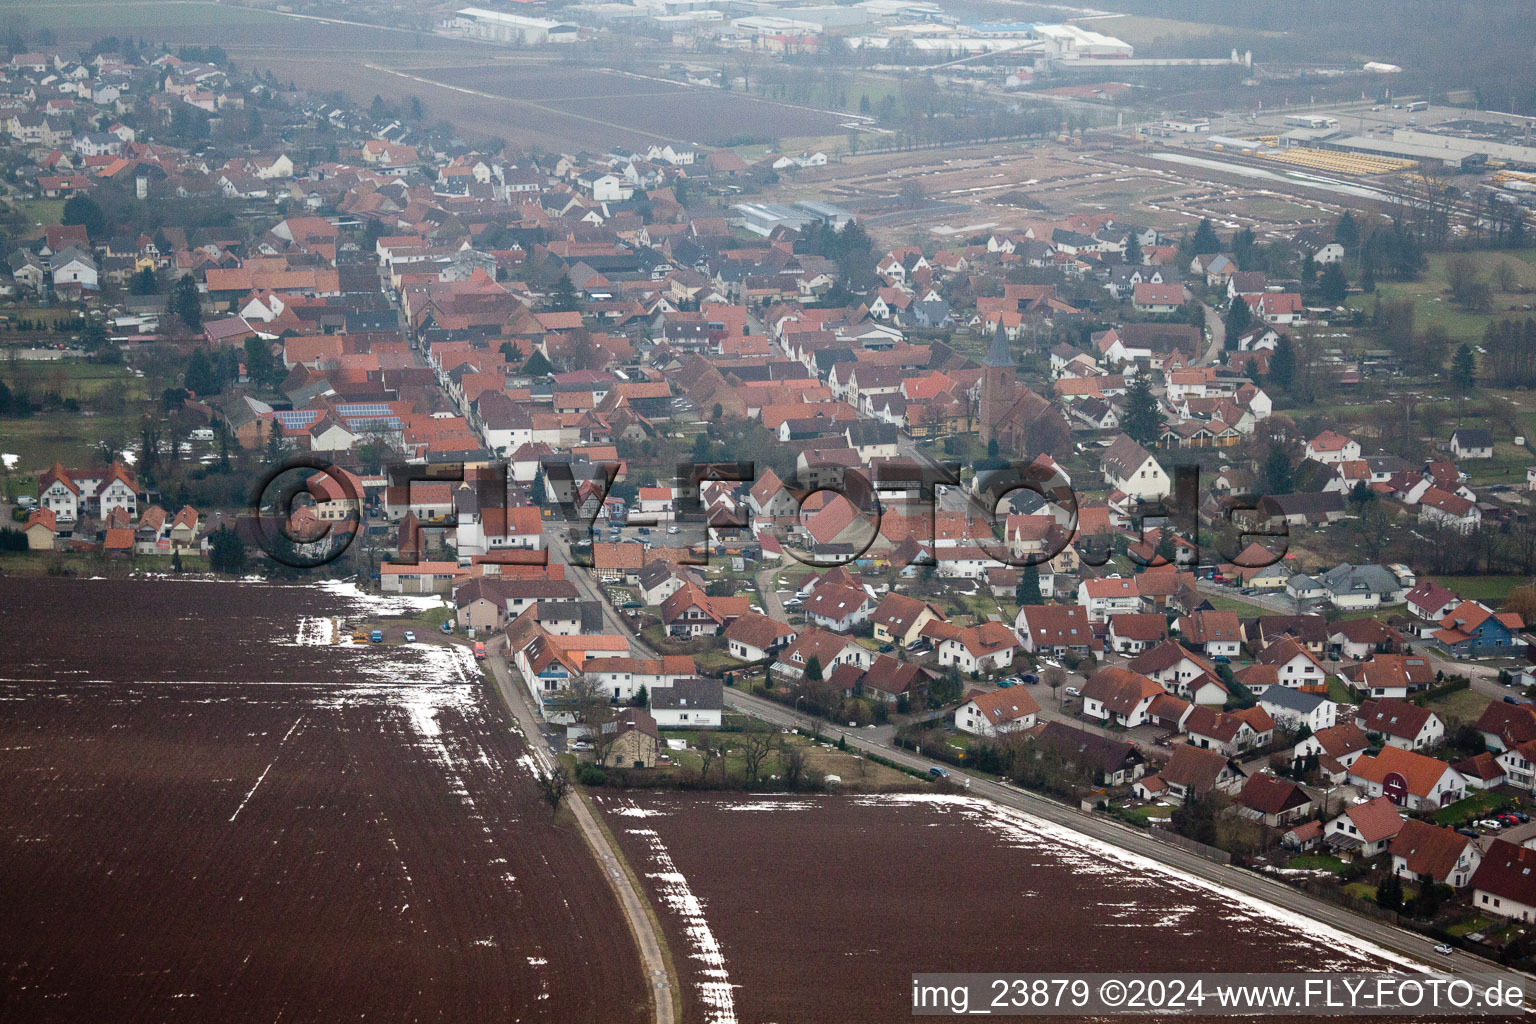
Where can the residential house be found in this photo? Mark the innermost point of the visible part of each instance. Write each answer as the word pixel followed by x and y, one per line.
pixel 899 619
pixel 1119 696
pixel 1130 468
pixel 1472 630
pixel 838 607
pixel 1408 778
pixel 1400 723
pixel 1295 709
pixel 1053 630
pixel 755 637
pixel 1505 882
pixel 1472 443
pixel 998 712
pixel 1294 665
pixel 1109 595
pixel 635 743
pixel 1113 762
pixel 1365 829
pixel 1389 675
pixel 985 648
pixel 691 703
pixel 1194 773
pixel 1341 744
pixel 1274 801
pixel 1133 632
pixel 1216 633
pixel 1424 851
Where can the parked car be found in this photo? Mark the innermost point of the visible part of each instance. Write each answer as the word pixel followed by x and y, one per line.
pixel 1469 833
pixel 377 636
pixel 410 637
pixel 446 628
pixel 1029 678
pixel 1489 824
pixel 674 529
pixel 793 602
pixel 1511 700
pixel 1507 820
pixel 1073 691
pixel 1003 684
pixel 479 650
pixel 938 773
pixel 1521 816
pixel 887 648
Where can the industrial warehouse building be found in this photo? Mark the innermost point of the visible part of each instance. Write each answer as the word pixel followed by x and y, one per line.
pixel 479 23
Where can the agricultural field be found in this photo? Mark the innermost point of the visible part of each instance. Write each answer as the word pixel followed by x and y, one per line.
pixel 891 884
pixel 220 813
pixel 609 101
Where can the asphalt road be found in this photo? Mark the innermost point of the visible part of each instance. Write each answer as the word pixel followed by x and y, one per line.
pixel 1409 944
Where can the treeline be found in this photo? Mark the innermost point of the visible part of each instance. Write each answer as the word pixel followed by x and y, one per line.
pixel 1509 352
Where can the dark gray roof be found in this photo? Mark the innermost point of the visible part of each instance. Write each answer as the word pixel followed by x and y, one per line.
pixel 693 693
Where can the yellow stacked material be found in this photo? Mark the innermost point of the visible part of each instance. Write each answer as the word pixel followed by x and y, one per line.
pixel 1504 177
pixel 1359 164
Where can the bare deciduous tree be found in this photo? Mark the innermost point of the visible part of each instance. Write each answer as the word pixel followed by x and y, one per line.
pixel 554 785
pixel 758 742
pixel 792 765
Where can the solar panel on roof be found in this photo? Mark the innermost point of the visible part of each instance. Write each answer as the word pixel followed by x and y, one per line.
pixel 292 419
pixel 378 409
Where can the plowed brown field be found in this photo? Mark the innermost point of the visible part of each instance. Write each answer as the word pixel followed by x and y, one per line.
pixel 211 815
pixel 821 910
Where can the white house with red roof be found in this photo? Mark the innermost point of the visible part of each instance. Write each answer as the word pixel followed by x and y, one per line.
pixel 998 712
pixel 1331 449
pixel 1366 828
pixel 1430 601
pixel 838 607
pixel 1109 595
pixel 70 493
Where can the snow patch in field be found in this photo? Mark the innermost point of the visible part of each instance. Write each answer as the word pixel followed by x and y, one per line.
pixel 315 631
pixel 380 604
pixel 637 812
pixel 672 887
pixel 1085 854
pixel 767 804
pixel 10 460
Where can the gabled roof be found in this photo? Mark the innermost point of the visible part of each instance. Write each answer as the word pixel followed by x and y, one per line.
pixel 1428 849
pixel 1422 772
pixel 1057 625
pixel 1197 769
pixel 1165 656
pixel 1393 718
pixel 1120 690
pixel 1376 819
pixel 1508 871
pixel 1339 741
pixel 1269 794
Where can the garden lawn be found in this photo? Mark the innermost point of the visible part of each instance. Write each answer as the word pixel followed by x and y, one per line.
pixel 1478 805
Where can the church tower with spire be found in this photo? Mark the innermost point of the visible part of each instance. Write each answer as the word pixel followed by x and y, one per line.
pixel 999 387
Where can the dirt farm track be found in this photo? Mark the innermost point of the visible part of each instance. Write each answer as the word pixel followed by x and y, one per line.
pixel 211 813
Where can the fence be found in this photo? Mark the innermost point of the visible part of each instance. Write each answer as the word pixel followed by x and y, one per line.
pixel 1199 849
